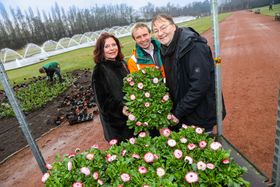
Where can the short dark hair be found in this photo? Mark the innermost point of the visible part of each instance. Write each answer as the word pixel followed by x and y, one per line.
pixel 98 52
pixel 42 70
pixel 162 17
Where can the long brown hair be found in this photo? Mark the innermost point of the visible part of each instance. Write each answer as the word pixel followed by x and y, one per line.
pixel 98 53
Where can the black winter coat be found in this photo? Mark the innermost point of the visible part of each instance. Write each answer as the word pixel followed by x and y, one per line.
pixel 107 83
pixel 190 76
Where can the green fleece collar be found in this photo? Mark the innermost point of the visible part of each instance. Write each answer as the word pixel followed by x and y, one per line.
pixel 144 58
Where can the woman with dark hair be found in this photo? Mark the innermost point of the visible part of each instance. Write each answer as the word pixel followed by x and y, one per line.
pixel 107 83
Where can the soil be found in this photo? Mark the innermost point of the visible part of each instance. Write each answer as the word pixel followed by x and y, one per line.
pixel 40 121
pixel 250 55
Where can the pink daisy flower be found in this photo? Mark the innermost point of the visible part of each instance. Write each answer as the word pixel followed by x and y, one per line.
pixel 123 152
pixel 95 175
pixel 125 177
pixel 155 80
pixel 113 142
pixel 147 104
pixel 183 140
pixel 149 157
pixel 147 94
pixel 138 123
pixel 165 97
pixel 184 126
pixel 134 155
pixel 142 134
pixel 112 158
pixel 132 97
pixel 69 165
pixel 191 146
pixel 215 145
pixel 49 166
pixel 99 181
pixel 199 130
pixel 171 143
pixel 226 161
pixel 166 132
pixel 131 83
pixel 188 159
pixel 95 146
pixel 132 141
pixel 178 153
pixel 77 184
pixel 169 116
pixel 140 85
pixel 90 156
pixel 85 171
pixel 202 144
pixel 71 155
pixel 142 170
pixel 210 166
pixel 160 172
pixel 131 117
pixel 191 177
pixel 201 165
pixel 156 156
pixel 45 177
pixel 129 79
pixel 145 124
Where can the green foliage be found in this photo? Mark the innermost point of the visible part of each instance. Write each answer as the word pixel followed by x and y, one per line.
pixel 204 23
pixel 36 95
pixel 148 100
pixel 6 110
pixel 128 157
pixel 265 10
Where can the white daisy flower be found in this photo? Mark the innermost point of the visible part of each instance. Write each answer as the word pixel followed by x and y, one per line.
pixel 160 172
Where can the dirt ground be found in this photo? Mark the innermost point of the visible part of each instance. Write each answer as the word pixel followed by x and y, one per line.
pixel 250 77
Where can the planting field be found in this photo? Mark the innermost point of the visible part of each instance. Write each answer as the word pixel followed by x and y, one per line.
pixel 251 76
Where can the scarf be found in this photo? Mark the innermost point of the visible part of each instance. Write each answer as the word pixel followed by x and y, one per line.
pixel 168 57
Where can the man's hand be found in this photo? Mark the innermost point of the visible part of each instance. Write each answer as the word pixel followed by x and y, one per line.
pixel 125 111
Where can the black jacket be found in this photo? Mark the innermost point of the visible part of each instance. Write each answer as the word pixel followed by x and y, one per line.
pixel 190 76
pixel 107 83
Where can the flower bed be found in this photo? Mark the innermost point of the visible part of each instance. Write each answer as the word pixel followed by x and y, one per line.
pixel 189 157
pixel 185 158
pixel 35 94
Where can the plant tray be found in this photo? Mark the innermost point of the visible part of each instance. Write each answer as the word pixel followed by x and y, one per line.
pixel 81 118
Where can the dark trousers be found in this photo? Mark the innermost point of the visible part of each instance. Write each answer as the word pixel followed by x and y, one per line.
pixel 51 72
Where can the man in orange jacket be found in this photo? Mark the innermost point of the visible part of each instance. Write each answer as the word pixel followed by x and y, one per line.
pixel 147 50
pixel 145 54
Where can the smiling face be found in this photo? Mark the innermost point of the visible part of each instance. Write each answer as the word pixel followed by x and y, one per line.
pixel 110 49
pixel 163 31
pixel 142 37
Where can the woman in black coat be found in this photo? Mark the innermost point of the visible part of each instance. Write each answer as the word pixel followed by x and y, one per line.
pixel 107 83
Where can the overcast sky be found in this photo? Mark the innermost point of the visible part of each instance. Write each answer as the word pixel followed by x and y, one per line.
pixel 46 4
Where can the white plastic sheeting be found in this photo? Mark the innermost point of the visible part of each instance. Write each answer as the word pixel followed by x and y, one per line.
pixel 33 53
